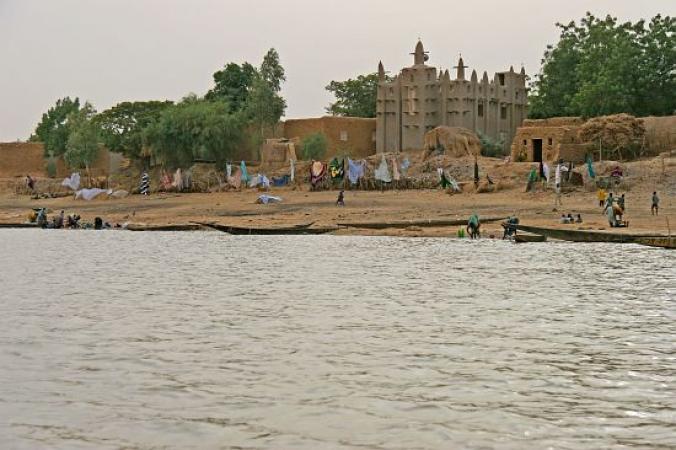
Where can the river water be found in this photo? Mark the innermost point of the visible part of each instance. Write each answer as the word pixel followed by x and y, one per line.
pixel 202 340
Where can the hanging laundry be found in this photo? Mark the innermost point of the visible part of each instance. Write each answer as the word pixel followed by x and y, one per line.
pixel 383 172
pixel 317 172
pixel 336 169
pixel 293 169
pixel 178 180
pixel 259 180
pixel 590 168
pixel 404 166
pixel 72 182
pixel 228 170
pixel 451 182
pixel 144 187
pixel 281 181
pixel 355 170
pixel 244 173
pixel 395 169
pixel 236 180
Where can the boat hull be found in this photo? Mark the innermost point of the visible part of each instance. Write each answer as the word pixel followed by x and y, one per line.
pixel 584 235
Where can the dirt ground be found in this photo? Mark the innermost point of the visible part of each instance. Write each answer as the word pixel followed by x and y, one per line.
pixel 299 205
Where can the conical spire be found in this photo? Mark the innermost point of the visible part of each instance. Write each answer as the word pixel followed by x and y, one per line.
pixel 381 71
pixel 511 69
pixel 474 76
pixel 460 75
pixel 523 71
pixel 419 54
pixel 484 78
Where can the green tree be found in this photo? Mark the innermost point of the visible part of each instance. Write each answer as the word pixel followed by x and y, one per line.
pixel 265 107
pixel 314 146
pixel 193 129
pixel 354 97
pixel 82 147
pixel 272 71
pixel 232 84
pixel 122 126
pixel 53 127
pixel 602 66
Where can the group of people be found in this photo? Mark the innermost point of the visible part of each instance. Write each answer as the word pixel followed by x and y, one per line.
pixel 570 219
pixel 61 220
pixel 614 208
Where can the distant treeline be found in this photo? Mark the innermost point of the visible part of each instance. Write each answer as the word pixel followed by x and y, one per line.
pixel 212 127
pixel 602 66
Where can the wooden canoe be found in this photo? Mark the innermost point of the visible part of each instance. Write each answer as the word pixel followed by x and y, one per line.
pixel 18 225
pixel 415 223
pixel 270 231
pixel 529 238
pixel 585 235
pixel 169 227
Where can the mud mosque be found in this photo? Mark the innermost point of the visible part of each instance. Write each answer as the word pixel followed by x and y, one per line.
pixel 420 98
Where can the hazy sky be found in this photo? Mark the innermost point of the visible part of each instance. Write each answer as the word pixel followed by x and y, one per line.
pixel 108 51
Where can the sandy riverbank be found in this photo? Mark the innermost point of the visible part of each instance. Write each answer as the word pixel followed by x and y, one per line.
pixel 300 206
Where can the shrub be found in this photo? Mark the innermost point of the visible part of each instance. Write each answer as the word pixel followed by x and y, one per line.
pixel 314 146
pixel 491 148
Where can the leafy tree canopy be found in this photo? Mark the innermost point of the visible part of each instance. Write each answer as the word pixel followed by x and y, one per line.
pixel 602 66
pixel 122 126
pixel 53 128
pixel 193 129
pixel 82 146
pixel 232 84
pixel 354 97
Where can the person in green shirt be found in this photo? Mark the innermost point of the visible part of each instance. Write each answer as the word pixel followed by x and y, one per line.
pixel 473 226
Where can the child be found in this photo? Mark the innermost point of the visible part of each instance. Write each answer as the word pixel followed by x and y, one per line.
pixel 655 208
pixel 601 195
pixel 341 198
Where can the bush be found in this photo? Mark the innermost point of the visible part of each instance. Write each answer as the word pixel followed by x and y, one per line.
pixel 491 148
pixel 314 146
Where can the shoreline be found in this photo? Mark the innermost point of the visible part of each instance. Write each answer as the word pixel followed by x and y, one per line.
pixel 405 209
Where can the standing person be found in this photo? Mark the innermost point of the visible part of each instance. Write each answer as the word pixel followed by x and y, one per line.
pixel 341 198
pixel 473 226
pixel 144 188
pixel 557 180
pixel 601 195
pixel 545 170
pixel 655 208
pixel 30 183
pixel 609 202
pixel 476 172
pixel 620 203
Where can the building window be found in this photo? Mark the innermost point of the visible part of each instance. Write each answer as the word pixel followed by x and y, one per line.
pixel 501 78
pixel 503 112
pixel 343 135
pixel 549 141
pixel 391 91
pixel 481 110
pixel 412 79
pixel 525 142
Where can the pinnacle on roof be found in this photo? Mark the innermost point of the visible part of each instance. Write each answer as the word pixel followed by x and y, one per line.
pixel 420 56
pixel 381 71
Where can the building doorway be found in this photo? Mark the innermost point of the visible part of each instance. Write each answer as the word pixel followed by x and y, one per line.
pixel 537 150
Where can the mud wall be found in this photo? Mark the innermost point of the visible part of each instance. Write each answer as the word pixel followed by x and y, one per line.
pixel 351 136
pixel 18 159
